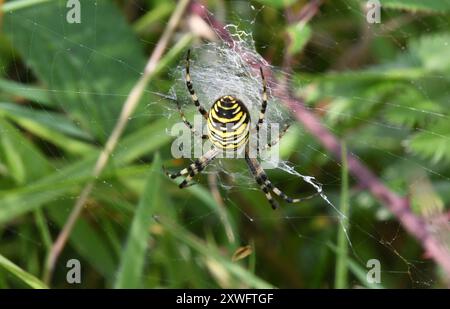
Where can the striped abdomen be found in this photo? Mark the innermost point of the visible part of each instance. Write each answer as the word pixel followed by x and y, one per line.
pixel 228 123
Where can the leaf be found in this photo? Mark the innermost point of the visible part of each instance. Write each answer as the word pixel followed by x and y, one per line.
pixel 410 107
pixel 20 4
pixel 242 253
pixel 16 169
pixel 426 54
pixel 88 72
pixel 49 119
pixel 359 272
pixel 133 258
pixel 299 35
pixel 19 273
pixel 24 161
pixel 49 126
pixel 432 51
pixel 432 6
pixel 277 3
pixel 26 91
pixel 433 143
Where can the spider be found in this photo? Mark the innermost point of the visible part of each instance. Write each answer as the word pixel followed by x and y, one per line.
pixel 228 128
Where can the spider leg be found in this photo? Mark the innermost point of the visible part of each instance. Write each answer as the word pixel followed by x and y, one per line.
pixel 266 184
pixel 281 194
pixel 280 136
pixel 191 88
pixel 262 113
pixel 182 172
pixel 259 175
pixel 194 168
pixel 187 123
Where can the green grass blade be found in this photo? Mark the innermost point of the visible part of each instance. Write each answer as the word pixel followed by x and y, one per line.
pixel 429 6
pixel 34 94
pixel 21 274
pixel 43 229
pixel 20 4
pixel 361 274
pixel 24 160
pixel 132 264
pixel 358 271
pixel 342 241
pixel 54 121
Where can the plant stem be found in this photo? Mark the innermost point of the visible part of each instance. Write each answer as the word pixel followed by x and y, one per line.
pixel 340 280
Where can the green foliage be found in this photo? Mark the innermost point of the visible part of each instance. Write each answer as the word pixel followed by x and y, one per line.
pixel 77 62
pixel 50 120
pixel 433 143
pixel 133 257
pixel 277 3
pixel 411 92
pixel 299 35
pixel 434 6
pixel 62 181
pixel 37 95
pixel 22 275
pixel 23 161
pixel 340 281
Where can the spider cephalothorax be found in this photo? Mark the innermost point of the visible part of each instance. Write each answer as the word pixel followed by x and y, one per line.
pixel 228 125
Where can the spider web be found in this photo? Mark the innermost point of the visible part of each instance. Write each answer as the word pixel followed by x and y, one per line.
pixel 221 69
pixel 217 69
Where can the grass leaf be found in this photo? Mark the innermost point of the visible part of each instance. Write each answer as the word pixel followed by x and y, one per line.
pixel 340 281
pixel 34 94
pixel 133 258
pixel 19 273
pixel 430 6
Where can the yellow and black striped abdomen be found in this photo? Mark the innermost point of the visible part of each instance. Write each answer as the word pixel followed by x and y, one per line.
pixel 228 123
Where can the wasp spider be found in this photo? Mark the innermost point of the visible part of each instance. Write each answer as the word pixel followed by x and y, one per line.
pixel 228 128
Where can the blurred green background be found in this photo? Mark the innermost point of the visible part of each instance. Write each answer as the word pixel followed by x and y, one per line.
pixel 383 88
